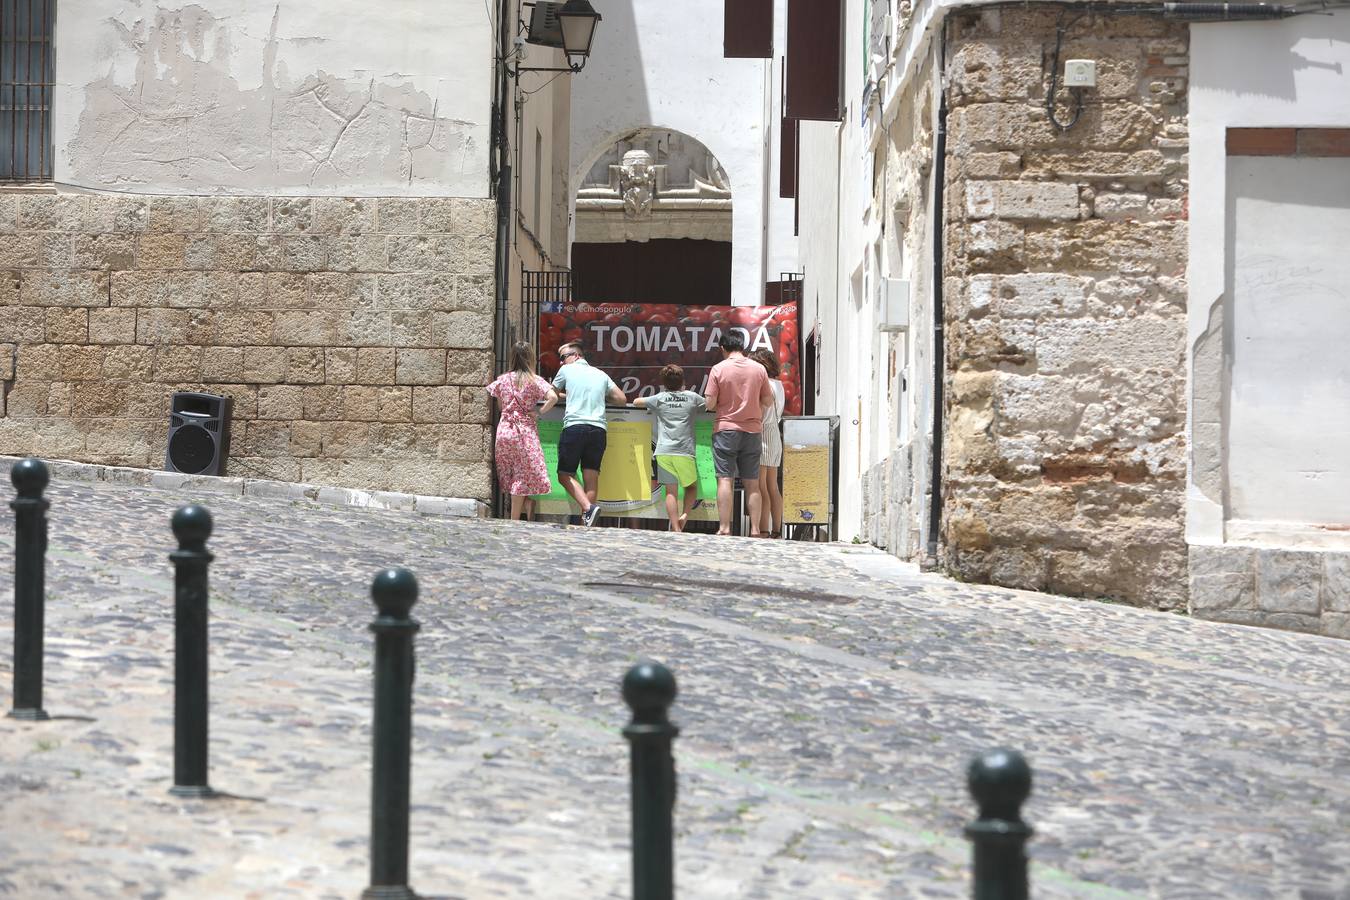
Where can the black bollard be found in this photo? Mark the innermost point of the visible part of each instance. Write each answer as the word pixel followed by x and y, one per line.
pixel 192 526
pixel 649 689
pixel 394 592
pixel 30 478
pixel 1000 781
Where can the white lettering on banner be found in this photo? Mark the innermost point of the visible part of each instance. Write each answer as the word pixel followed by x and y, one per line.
pixel 630 384
pixel 647 339
pixel 672 341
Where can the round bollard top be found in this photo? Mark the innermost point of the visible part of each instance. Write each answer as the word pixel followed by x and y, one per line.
pixel 1000 781
pixel 191 525
pixel 30 477
pixel 649 687
pixel 394 592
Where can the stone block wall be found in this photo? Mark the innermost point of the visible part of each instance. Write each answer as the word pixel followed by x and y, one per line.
pixel 1298 590
pixel 354 335
pixel 887 516
pixel 1066 304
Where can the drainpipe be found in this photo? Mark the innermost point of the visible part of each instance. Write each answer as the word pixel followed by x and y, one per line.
pixel 939 332
pixel 501 158
pixel 502 173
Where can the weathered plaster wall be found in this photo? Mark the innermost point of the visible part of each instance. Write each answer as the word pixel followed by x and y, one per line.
pixel 654 64
pixel 290 97
pixel 354 335
pixel 1066 292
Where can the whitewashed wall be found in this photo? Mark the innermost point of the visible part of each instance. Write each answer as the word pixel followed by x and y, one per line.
pixel 835 190
pixel 1286 450
pixel 295 97
pixel 845 251
pixel 658 64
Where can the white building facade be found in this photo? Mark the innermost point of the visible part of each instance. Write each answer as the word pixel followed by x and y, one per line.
pixel 1268 317
pixel 659 78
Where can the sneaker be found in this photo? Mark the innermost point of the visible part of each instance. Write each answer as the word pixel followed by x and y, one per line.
pixel 589 516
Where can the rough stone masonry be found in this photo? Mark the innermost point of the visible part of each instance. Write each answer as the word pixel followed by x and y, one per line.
pixel 1065 260
pixel 354 335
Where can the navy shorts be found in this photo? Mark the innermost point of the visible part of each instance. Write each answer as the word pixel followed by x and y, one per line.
pixel 736 454
pixel 581 445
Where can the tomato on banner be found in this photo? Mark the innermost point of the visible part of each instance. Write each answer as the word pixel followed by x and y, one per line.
pixel 633 341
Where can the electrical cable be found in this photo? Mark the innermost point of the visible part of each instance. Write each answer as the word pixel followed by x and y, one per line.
pixel 1060 27
pixel 544 85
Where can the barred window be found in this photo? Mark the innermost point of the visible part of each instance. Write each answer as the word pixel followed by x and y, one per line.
pixel 26 75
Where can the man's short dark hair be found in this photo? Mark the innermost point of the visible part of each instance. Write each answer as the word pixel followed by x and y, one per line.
pixel 574 346
pixel 672 377
pixel 731 340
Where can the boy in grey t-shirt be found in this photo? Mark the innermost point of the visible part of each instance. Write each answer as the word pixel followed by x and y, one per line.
pixel 674 410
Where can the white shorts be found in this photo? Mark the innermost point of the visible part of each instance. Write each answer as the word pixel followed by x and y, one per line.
pixel 772 452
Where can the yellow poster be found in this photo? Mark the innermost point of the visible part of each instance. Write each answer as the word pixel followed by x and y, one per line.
pixel 806 485
pixel 625 471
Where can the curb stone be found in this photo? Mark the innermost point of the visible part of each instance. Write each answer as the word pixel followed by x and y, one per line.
pixel 262 488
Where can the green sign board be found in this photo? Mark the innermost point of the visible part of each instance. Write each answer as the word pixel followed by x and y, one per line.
pixel 703 459
pixel 550 431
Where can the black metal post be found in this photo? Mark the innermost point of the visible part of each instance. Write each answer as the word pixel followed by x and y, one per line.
pixel 1000 781
pixel 394 592
pixel 649 690
pixel 192 526
pixel 30 478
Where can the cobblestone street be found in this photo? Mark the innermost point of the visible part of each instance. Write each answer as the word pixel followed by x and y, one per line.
pixel 830 699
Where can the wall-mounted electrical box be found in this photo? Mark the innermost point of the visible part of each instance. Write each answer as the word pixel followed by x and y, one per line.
pixel 1080 73
pixel 894 304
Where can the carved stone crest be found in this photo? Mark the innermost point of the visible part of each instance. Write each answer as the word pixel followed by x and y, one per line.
pixel 637 181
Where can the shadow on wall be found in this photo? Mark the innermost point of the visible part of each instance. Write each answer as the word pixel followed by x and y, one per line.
pixel 1274 77
pixel 611 91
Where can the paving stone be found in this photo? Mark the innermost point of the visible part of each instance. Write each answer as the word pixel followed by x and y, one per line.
pixel 830 699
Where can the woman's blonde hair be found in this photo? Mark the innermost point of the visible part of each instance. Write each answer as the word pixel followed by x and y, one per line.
pixel 522 360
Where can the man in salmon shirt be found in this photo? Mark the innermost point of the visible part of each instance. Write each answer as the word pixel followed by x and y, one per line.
pixel 738 392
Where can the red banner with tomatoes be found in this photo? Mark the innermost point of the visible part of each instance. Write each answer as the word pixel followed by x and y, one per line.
pixel 632 341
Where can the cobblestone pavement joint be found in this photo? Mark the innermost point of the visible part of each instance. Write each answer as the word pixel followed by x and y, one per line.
pixel 830 699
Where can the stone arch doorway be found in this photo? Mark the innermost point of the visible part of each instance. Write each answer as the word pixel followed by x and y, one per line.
pixel 652 217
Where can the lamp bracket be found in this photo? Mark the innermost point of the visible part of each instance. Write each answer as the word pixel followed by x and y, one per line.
pixel 515 73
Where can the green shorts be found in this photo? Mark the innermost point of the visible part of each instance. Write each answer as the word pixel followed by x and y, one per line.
pixel 676 470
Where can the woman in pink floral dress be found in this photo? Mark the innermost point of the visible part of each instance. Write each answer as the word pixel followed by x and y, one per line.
pixel 520 460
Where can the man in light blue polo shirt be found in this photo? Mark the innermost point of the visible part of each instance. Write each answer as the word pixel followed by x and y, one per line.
pixel 584 435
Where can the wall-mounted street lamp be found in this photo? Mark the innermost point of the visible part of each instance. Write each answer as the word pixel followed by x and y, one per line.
pixel 568 26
